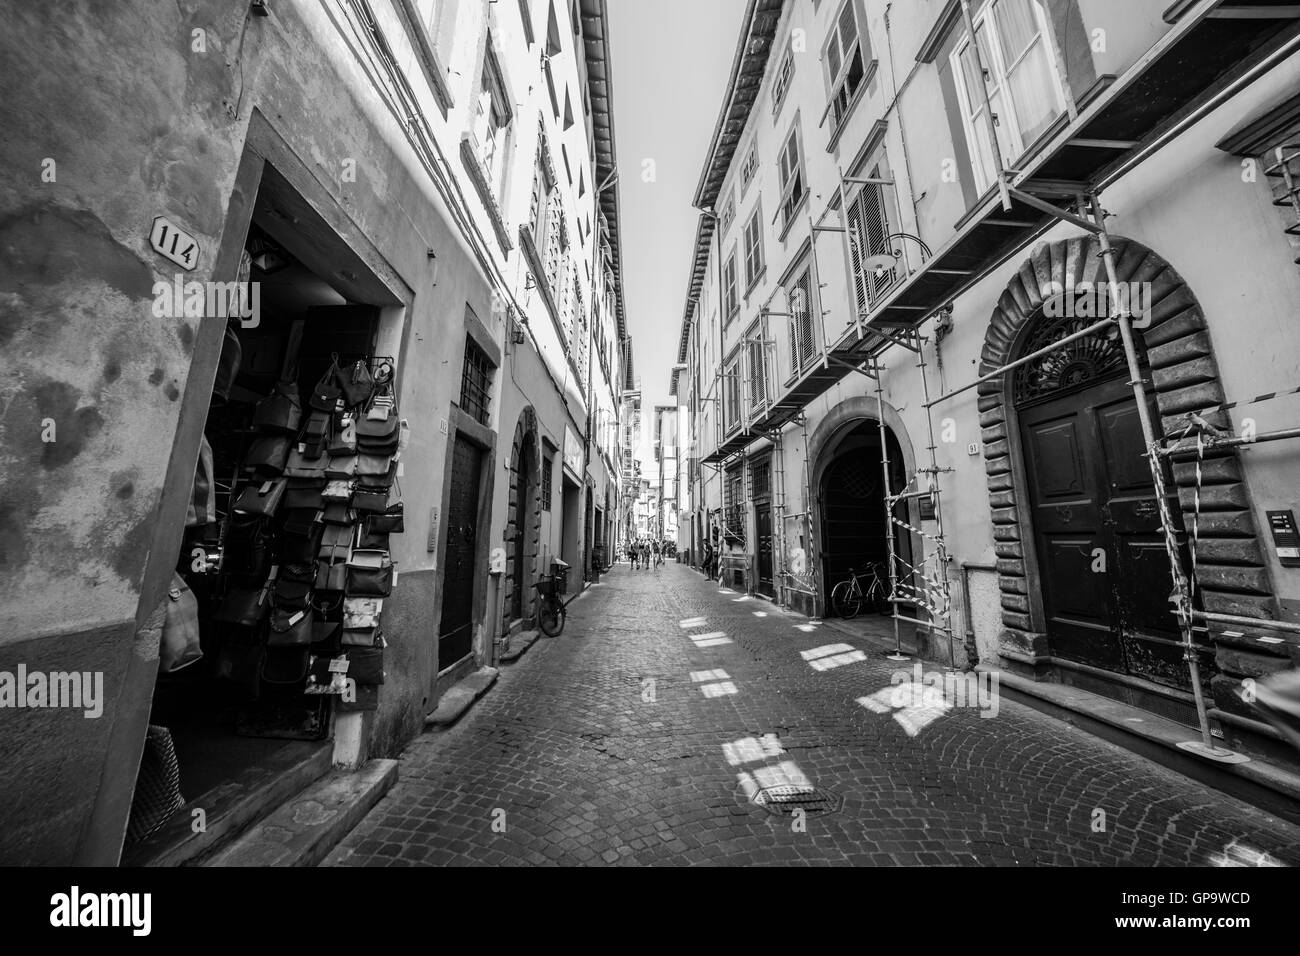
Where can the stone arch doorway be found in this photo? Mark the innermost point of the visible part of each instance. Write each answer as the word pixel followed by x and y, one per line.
pixel 847 485
pixel 1080 553
pixel 523 519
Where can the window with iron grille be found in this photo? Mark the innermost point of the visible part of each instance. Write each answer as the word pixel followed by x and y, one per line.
pixel 760 478
pixel 801 321
pixel 728 215
pixel 734 504
pixel 476 383
pixel 748 168
pixel 730 297
pixel 546 481
pixel 870 225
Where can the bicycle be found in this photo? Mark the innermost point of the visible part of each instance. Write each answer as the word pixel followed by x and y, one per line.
pixel 848 595
pixel 551 610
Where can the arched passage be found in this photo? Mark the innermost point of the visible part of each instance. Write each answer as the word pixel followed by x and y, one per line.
pixel 523 519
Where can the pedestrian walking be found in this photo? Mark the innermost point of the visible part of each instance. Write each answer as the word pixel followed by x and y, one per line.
pixel 634 555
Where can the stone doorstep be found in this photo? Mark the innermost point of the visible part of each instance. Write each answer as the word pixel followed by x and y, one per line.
pixel 519 643
pixel 303 830
pixel 461 697
pixel 1272 788
pixel 231 807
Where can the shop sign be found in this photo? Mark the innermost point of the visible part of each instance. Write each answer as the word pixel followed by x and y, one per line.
pixel 572 452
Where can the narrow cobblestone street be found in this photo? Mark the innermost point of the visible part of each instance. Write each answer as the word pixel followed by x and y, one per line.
pixel 637 736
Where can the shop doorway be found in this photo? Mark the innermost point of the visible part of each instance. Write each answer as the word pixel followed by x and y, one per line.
pixel 521 509
pixel 852 497
pixel 760 472
pixel 456 632
pixel 570 524
pixel 242 717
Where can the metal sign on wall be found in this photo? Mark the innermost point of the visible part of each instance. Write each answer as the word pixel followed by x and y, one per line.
pixel 573 452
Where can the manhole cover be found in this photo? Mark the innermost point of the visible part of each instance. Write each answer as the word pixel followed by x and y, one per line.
pixel 785 800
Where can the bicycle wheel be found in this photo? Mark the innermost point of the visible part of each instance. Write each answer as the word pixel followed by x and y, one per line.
pixel 846 599
pixel 550 617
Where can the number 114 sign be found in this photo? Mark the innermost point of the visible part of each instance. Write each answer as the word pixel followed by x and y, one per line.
pixel 173 243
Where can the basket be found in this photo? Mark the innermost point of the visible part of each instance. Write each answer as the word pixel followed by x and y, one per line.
pixel 561 578
pixel 545 587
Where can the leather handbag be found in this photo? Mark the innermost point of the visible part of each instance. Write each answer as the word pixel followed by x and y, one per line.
pixel 290 628
pixel 361 614
pixel 325 396
pixel 293 595
pixel 341 467
pixel 247 551
pixel 370 497
pixel 300 549
pixel 285 665
pixel 316 434
pixel 338 512
pixel 332 570
pixel 376 469
pixel 260 499
pixel 244 607
pixel 180 635
pixel 268 454
pixel 299 521
pixel 281 411
pixel 366 665
pixel 343 439
pixel 368 540
pixel 325 676
pixel 338 489
pixel 336 540
pixel 304 493
pixel 391 521
pixel 370 574
pixel 356 382
pixel 298 465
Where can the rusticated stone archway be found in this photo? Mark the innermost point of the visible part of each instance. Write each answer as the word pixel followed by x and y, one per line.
pixel 523 519
pixel 1184 377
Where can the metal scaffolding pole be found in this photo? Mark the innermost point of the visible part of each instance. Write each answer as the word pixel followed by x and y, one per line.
pixel 890 543
pixel 1182 593
pixel 941 545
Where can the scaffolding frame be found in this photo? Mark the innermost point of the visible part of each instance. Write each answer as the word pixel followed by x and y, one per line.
pixel 1090 217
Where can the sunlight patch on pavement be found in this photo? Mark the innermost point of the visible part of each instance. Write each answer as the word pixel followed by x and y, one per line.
pixel 713 642
pixel 806 628
pixel 1238 854
pixel 839 660
pixel 760 614
pixel 915 706
pixel 724 689
pixel 725 591
pixel 826 650
pixel 692 622
pixel 750 749
pixel 743 597
pixel 701 676
pixel 784 774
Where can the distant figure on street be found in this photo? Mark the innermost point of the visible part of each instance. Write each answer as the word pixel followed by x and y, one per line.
pixel 708 559
pixel 634 554
pixel 657 554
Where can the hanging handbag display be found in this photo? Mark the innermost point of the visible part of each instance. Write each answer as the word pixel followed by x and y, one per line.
pixel 392 520
pixel 260 499
pixel 247 548
pixel 304 493
pixel 281 411
pixel 315 436
pixel 291 592
pixel 341 467
pixel 368 540
pixel 370 574
pixel 268 454
pixel 203 497
pixel 356 382
pixel 298 521
pixel 376 469
pixel 300 549
pixel 338 490
pixel 179 646
pixel 227 366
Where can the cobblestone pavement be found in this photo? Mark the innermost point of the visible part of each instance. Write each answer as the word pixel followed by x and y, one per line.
pixel 637 736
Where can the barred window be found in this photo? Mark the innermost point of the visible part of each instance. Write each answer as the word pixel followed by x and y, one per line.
pixel 547 461
pixel 476 383
pixel 734 504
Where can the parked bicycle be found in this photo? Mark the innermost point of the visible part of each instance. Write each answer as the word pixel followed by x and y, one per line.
pixel 551 610
pixel 849 595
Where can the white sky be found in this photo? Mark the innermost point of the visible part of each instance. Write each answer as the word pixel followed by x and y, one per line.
pixel 671 59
